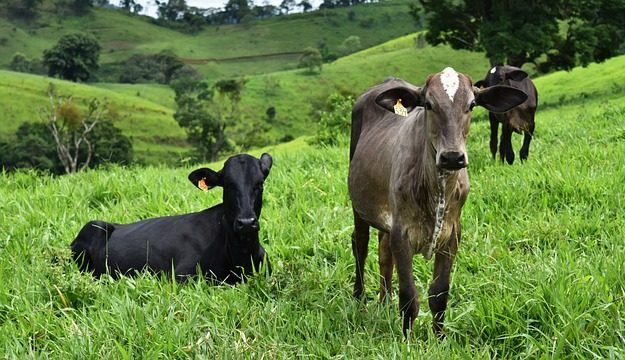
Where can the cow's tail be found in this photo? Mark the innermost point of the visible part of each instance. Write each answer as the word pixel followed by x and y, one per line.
pixel 92 237
pixel 357 114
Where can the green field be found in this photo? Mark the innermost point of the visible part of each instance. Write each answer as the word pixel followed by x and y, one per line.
pixel 216 50
pixel 147 109
pixel 540 271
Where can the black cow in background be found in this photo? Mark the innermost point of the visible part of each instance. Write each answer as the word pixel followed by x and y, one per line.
pixel 519 119
pixel 221 242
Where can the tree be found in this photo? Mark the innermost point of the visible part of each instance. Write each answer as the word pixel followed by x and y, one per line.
pixel 74 57
pixel 34 148
pixel 20 63
pixel 236 10
pixel 350 45
pixel 515 32
pixel 305 5
pixel 70 129
pixel 22 9
pixel 81 7
pixel 127 4
pixel 287 5
pixel 206 130
pixel 311 59
pixel 171 10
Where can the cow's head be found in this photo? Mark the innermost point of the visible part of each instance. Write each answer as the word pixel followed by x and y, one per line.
pixel 242 179
pixel 501 75
pixel 448 98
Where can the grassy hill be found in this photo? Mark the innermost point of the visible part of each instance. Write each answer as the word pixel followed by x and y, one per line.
pixel 217 51
pixel 147 109
pixel 156 136
pixel 539 272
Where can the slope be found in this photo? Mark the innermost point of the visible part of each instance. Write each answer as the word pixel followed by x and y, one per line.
pixel 217 51
pixel 155 135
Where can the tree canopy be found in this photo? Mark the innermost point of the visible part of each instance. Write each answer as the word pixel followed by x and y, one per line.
pixel 554 34
pixel 74 57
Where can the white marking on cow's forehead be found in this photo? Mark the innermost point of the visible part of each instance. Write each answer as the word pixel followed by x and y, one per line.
pixel 450 81
pixel 492 71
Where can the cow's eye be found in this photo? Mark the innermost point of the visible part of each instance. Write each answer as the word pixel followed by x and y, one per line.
pixel 472 105
pixel 428 105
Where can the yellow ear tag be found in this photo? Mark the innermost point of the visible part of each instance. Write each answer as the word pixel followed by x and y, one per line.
pixel 202 184
pixel 400 109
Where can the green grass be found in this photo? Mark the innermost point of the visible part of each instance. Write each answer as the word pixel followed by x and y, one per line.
pixel 540 271
pixel 122 35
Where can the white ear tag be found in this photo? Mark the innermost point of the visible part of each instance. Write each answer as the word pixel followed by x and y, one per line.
pixel 400 109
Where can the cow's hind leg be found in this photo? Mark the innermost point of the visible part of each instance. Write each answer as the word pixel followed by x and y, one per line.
pixel 360 244
pixel 494 132
pixel 527 138
pixel 439 288
pixel 385 259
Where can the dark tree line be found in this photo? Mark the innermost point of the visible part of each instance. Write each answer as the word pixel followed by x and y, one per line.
pixel 554 34
pixel 28 10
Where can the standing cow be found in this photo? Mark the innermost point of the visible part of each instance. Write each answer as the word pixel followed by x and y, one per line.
pixel 222 241
pixel 407 178
pixel 518 119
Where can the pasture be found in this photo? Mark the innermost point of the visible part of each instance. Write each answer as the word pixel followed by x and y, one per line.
pixel 540 271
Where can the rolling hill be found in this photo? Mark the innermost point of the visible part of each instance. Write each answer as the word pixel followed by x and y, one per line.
pixel 147 109
pixel 217 51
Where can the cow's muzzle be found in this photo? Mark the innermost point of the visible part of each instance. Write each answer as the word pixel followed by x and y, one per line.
pixel 246 225
pixel 452 160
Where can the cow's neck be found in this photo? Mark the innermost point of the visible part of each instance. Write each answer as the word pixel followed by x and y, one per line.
pixel 242 248
pixel 433 187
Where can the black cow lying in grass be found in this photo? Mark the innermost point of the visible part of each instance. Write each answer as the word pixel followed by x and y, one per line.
pixel 220 242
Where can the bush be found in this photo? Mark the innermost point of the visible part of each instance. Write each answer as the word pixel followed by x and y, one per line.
pixel 160 68
pixel 335 122
pixel 34 148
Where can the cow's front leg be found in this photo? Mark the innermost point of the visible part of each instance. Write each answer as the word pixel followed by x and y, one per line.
pixel 439 288
pixel 408 296
pixel 527 138
pixel 385 259
pixel 505 148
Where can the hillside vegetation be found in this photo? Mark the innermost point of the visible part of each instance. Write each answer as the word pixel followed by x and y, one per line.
pixel 539 272
pixel 146 110
pixel 217 51
pixel 155 135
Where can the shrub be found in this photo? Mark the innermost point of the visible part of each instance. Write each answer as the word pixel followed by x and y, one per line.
pixel 335 122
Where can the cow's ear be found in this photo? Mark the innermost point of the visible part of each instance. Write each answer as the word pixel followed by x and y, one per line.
pixel 516 75
pixel 408 97
pixel 480 84
pixel 499 98
pixel 265 164
pixel 205 179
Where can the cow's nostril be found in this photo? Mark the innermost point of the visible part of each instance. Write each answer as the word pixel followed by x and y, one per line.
pixel 452 160
pixel 247 223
